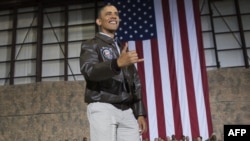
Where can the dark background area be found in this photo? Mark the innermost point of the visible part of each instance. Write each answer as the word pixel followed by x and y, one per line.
pixel 7 4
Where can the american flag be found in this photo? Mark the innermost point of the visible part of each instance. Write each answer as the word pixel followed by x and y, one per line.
pixel 173 73
pixel 137 20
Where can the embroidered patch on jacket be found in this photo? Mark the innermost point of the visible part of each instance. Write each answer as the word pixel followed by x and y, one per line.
pixel 107 53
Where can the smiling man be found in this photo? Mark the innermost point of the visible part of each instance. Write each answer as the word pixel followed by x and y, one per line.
pixel 113 92
pixel 108 20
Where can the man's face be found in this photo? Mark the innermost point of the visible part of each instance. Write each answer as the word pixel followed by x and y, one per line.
pixel 108 20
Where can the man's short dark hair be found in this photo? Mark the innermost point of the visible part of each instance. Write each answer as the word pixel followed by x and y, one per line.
pixel 101 9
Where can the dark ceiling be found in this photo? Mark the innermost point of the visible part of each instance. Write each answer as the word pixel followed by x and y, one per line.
pixel 6 4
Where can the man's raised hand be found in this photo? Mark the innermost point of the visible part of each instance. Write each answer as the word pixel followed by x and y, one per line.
pixel 127 58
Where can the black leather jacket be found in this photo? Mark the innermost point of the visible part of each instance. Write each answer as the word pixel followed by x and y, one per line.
pixel 106 82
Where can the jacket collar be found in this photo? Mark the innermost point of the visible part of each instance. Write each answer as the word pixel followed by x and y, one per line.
pixel 104 38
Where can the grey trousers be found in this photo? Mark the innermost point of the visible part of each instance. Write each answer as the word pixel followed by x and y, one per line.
pixel 107 123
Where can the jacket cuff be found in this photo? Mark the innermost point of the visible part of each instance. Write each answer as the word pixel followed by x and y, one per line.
pixel 114 66
pixel 139 110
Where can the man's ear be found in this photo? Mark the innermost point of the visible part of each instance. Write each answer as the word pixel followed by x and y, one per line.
pixel 98 21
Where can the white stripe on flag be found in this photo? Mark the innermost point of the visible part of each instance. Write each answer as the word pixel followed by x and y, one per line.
pixel 181 82
pixel 193 43
pixel 179 67
pixel 168 109
pixel 131 46
pixel 152 116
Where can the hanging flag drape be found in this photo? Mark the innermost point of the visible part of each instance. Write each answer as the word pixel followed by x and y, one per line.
pixel 167 34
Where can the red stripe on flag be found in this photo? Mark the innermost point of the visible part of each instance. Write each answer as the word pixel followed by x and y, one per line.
pixel 202 65
pixel 172 69
pixel 158 88
pixel 141 72
pixel 188 69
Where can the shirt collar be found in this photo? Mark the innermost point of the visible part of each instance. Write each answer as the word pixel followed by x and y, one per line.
pixel 105 34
